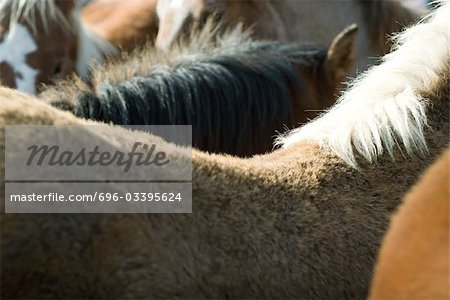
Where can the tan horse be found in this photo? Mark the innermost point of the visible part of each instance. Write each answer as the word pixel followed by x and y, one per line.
pixel 292 20
pixel 45 40
pixel 127 24
pixel 297 223
pixel 414 260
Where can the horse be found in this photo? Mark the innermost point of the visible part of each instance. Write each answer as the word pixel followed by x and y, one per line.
pixel 292 21
pixel 45 40
pixel 413 261
pixel 304 221
pixel 235 92
pixel 125 24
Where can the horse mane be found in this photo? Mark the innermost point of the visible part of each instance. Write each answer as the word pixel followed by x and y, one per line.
pixel 386 106
pixel 28 10
pixel 385 17
pixel 236 92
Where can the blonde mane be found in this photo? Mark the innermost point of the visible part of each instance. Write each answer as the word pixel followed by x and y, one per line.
pixel 385 107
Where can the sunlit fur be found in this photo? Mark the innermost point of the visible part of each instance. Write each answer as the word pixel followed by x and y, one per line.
pixel 385 108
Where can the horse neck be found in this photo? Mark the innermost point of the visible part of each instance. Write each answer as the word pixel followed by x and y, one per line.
pixel 315 174
pixel 305 167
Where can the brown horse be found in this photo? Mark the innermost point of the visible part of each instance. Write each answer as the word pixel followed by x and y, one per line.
pixel 125 24
pixel 296 223
pixel 45 40
pixel 292 20
pixel 414 260
pixel 235 92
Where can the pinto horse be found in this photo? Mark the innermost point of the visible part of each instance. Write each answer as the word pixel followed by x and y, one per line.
pixel 300 222
pixel 292 21
pixel 236 93
pixel 414 259
pixel 45 40
pixel 126 24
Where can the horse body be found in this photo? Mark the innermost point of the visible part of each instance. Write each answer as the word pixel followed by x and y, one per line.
pixel 413 261
pixel 299 222
pixel 291 20
pixel 44 40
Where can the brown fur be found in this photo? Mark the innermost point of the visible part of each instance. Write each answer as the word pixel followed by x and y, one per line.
pixel 8 77
pixel 296 223
pixel 126 24
pixel 414 260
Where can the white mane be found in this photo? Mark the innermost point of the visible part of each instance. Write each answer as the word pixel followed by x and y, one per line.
pixel 384 106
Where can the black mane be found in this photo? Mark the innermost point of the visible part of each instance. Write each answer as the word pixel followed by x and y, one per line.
pixel 236 97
